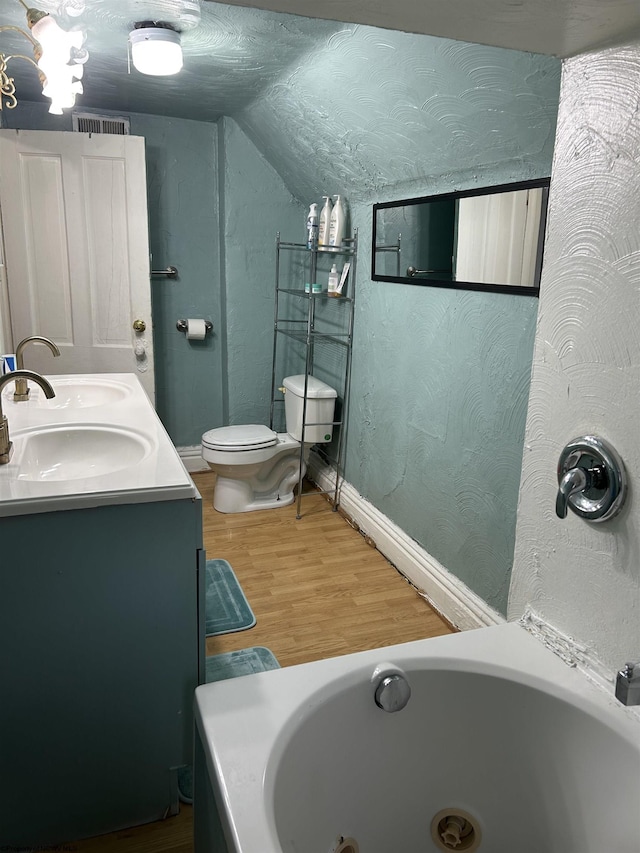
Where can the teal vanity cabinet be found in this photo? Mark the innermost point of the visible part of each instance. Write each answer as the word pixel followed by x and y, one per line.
pixel 101 652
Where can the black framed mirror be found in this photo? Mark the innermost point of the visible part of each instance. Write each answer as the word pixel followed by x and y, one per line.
pixel 491 238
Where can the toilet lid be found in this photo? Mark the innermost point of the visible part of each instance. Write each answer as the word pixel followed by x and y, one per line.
pixel 241 437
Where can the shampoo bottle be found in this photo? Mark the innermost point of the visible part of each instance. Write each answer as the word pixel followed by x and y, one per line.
pixel 325 220
pixel 337 223
pixel 312 227
pixel 334 279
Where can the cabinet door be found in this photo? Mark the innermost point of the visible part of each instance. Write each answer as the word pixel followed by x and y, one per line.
pixel 100 647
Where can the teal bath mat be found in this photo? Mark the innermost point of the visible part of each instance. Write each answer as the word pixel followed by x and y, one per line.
pixel 244 662
pixel 226 607
pixel 220 668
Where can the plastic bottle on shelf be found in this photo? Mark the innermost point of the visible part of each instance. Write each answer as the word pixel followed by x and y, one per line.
pixel 325 221
pixel 312 227
pixel 334 278
pixel 337 223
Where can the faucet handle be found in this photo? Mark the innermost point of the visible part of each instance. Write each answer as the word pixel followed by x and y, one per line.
pixel 575 480
pixel 22 390
pixel 592 479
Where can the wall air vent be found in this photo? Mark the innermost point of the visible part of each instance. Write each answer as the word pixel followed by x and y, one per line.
pixel 91 123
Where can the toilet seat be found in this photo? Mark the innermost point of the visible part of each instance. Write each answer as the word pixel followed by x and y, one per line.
pixel 235 439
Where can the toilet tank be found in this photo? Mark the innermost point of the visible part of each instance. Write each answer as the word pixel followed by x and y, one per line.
pixel 321 401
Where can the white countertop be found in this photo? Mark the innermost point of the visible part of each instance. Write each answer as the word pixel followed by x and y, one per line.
pixel 86 403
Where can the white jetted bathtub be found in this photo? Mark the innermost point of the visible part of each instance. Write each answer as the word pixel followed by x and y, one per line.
pixel 501 748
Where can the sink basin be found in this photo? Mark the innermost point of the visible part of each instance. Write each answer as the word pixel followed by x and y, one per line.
pixel 71 393
pixel 97 443
pixel 80 394
pixel 76 452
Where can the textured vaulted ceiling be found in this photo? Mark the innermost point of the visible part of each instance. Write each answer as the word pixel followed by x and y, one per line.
pixel 322 98
pixel 378 109
pixel 234 53
pixel 230 56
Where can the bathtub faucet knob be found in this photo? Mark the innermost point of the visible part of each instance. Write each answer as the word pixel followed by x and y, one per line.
pixel 392 693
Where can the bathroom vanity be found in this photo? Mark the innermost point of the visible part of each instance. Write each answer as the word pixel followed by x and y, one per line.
pixel 99 608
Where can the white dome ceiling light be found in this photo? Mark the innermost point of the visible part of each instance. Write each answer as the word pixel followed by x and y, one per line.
pixel 155 48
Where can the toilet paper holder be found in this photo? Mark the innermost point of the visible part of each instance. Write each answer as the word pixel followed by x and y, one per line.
pixel 181 325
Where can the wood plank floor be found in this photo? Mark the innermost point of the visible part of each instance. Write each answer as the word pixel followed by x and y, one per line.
pixel 317 590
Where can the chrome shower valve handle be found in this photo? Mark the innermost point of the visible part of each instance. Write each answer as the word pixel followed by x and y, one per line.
pixel 592 480
pixel 575 480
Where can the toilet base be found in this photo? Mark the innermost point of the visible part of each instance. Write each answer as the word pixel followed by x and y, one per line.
pixel 237 496
pixel 252 480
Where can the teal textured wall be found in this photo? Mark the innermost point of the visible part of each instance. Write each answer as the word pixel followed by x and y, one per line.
pixel 439 398
pixel 256 204
pixel 440 387
pixel 182 184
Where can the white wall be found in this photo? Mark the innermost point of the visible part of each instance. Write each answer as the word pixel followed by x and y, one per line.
pixel 584 579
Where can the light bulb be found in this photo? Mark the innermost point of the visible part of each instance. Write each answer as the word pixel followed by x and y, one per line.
pixel 60 62
pixel 156 51
pixel 54 40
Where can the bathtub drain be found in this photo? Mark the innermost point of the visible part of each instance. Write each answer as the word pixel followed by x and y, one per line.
pixel 345 845
pixel 455 829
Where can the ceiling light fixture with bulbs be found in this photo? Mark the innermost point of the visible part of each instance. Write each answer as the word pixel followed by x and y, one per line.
pixel 58 55
pixel 155 48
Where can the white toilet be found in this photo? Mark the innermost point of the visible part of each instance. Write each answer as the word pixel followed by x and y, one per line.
pixel 258 468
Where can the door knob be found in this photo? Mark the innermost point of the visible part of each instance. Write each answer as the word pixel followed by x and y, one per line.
pixel 139 325
pixel 592 479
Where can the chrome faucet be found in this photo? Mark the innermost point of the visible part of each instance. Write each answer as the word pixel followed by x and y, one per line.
pixel 6 447
pixel 22 389
pixel 628 684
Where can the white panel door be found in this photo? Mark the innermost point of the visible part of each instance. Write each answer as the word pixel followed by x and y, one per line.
pixel 74 213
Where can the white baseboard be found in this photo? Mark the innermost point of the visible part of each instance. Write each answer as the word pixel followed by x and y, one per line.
pixel 192 458
pixel 444 591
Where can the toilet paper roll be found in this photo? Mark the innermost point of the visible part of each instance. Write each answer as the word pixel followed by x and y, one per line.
pixel 196 330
